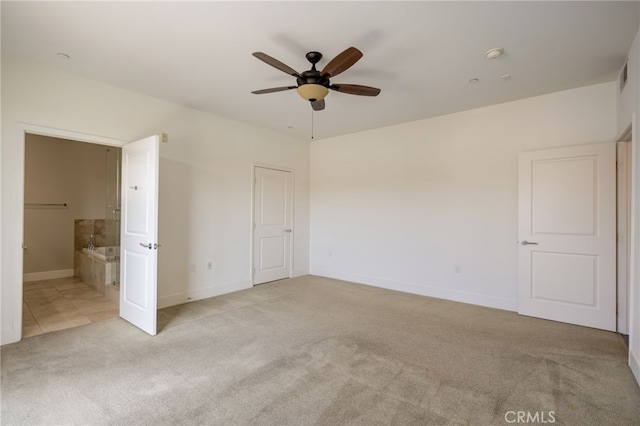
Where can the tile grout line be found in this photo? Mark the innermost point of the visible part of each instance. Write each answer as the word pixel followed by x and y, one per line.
pixel 33 316
pixel 73 301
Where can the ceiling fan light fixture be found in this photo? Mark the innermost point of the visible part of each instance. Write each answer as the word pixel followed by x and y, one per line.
pixel 312 92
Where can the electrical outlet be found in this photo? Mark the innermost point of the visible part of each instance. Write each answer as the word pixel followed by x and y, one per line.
pixel 329 253
pixel 457 269
pixel 194 267
pixel 210 265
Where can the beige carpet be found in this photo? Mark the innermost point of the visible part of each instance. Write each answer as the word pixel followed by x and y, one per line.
pixel 314 350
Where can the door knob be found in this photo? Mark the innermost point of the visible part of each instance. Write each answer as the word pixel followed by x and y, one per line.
pixel 149 246
pixel 287 230
pixel 526 243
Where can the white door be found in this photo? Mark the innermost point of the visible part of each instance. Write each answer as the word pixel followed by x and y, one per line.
pixel 139 234
pixel 567 235
pixel 273 209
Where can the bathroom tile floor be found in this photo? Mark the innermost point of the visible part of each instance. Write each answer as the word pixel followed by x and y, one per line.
pixel 51 305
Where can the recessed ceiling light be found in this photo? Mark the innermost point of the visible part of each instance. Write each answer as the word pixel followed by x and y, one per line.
pixel 506 77
pixel 289 127
pixel 63 56
pixel 494 53
pixel 474 81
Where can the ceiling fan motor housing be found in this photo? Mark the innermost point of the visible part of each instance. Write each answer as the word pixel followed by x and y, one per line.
pixel 312 86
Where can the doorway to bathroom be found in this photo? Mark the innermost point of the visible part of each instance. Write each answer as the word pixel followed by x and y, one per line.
pixel 71 233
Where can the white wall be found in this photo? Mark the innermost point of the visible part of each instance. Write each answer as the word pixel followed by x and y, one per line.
pixel 627 101
pixel 400 207
pixel 205 179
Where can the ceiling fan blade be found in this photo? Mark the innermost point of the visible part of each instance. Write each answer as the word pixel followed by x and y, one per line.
pixel 276 64
pixel 318 105
pixel 273 89
pixel 355 89
pixel 342 62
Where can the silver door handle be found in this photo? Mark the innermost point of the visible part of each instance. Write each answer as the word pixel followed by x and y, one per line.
pixel 149 246
pixel 526 243
pixel 287 230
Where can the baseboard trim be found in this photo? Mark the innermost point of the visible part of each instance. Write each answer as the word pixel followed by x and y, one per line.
pixel 635 367
pixel 437 292
pixel 201 293
pixel 47 275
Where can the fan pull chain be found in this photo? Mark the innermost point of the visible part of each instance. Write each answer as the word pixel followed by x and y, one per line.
pixel 312 124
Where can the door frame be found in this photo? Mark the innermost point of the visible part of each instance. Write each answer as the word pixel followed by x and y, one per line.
pixel 14 235
pixel 634 253
pixel 623 227
pixel 252 241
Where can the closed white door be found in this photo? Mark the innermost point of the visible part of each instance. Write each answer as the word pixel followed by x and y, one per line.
pixel 273 210
pixel 139 234
pixel 567 233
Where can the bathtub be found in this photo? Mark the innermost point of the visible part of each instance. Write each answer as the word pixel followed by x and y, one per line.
pixel 98 268
pixel 105 254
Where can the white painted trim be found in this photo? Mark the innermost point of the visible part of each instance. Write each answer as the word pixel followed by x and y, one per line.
pixel 437 292
pixel 634 273
pixel 70 135
pixel 12 253
pixel 635 367
pixel 47 275
pixel 623 207
pixel 13 236
pixel 202 293
pixel 254 165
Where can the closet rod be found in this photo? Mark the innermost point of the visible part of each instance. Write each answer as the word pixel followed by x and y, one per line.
pixel 46 205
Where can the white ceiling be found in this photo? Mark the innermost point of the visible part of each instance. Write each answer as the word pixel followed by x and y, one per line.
pixel 421 54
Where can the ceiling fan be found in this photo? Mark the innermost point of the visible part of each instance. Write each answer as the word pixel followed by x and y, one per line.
pixel 314 85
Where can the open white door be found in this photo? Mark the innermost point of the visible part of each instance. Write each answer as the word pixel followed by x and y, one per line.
pixel 273 211
pixel 567 233
pixel 139 234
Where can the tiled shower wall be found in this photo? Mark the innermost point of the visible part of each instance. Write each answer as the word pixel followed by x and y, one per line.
pixel 83 228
